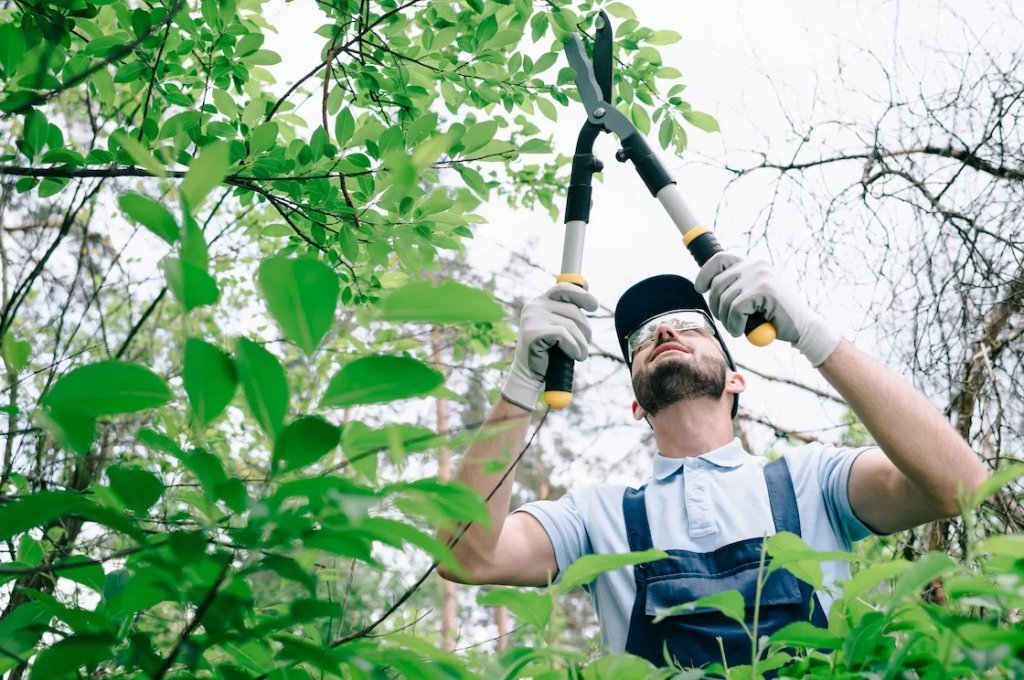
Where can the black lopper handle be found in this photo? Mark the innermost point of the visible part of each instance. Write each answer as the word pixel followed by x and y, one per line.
pixel 558 379
pixel 702 244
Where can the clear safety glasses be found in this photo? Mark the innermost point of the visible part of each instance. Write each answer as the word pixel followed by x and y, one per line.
pixel 679 321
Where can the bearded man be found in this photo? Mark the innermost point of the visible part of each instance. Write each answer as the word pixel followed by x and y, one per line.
pixel 708 503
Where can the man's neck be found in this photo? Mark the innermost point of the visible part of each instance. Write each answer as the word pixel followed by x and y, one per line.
pixel 692 428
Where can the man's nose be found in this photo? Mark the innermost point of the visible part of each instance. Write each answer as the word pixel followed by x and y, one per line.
pixel 664 332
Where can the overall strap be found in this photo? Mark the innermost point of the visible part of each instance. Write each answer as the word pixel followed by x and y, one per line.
pixel 634 510
pixel 782 496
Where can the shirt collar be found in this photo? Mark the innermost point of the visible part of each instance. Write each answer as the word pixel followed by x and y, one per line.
pixel 731 455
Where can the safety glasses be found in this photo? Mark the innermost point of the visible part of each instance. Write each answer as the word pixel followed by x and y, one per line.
pixel 678 321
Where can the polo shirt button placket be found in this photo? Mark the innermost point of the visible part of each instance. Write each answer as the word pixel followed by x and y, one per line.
pixel 698 507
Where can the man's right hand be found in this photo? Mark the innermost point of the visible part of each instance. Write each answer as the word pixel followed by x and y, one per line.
pixel 554 318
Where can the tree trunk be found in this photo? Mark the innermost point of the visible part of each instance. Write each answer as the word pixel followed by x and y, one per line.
pixel 449 608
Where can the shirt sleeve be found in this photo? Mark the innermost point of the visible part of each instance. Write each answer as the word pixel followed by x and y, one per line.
pixel 834 465
pixel 565 524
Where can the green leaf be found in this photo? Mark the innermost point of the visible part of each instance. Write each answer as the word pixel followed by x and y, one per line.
pixel 16 352
pixel 620 10
pixel 997 481
pixel 588 567
pixel 665 37
pixel 192 286
pixel 12 47
pixel 139 153
pixel 478 135
pixel 302 295
pixel 699 119
pixel 375 380
pixel 449 302
pixel 205 172
pixel 640 117
pixel 806 635
pixel 263 58
pixel 37 129
pixel 531 607
pixel 73 429
pixel 138 488
pixel 923 572
pixel 361 444
pixel 106 388
pixel 21 514
pixel 544 62
pixel 150 214
pixel 665 132
pixel 70 654
pixel 1008 545
pixel 303 442
pixel 225 104
pixel 264 384
pixel 789 551
pixel 870 576
pixel 210 379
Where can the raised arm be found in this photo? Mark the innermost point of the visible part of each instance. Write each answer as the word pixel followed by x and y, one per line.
pixel 921 466
pixel 515 549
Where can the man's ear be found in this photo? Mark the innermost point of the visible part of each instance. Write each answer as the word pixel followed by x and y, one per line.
pixel 638 411
pixel 735 382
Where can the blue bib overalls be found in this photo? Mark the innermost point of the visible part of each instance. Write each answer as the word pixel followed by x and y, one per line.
pixel 690 638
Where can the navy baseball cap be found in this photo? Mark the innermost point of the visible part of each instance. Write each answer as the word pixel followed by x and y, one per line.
pixel 656 296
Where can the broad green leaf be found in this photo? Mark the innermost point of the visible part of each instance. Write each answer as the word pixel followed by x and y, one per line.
pixel 225 104
pixel 664 37
pixel 107 387
pixel 588 567
pixel 362 444
pixel 192 286
pixel 995 482
pixel 150 214
pixel 1008 545
pixel 620 10
pixel 374 380
pixel 303 442
pixel 871 575
pixel 530 606
pixel 728 602
pixel 206 171
pixel 701 120
pixel 477 135
pixel 36 132
pixel 139 153
pixel 12 47
pixel 75 430
pixel 16 352
pixel 210 379
pixel 789 551
pixel 21 514
pixel 449 302
pixel 921 573
pixel 302 295
pixel 264 383
pixel 70 654
pixel 138 488
pixel 805 635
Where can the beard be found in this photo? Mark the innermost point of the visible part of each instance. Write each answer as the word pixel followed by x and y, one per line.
pixel 671 381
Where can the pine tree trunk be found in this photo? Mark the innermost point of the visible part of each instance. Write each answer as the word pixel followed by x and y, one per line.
pixel 449 610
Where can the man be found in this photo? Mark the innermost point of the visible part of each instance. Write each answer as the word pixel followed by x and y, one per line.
pixel 709 503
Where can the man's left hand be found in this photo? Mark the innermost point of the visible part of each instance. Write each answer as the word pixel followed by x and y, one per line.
pixel 737 287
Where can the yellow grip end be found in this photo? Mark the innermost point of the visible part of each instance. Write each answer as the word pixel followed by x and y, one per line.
pixel 571 278
pixel 689 236
pixel 763 335
pixel 557 399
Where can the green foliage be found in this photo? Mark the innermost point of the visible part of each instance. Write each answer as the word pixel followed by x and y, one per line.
pixel 166 524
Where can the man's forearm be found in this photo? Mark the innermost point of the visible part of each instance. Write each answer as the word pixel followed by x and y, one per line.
pixel 476 471
pixel 911 432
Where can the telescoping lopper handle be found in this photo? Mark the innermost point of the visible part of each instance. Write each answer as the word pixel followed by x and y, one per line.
pixel 558 379
pixel 703 245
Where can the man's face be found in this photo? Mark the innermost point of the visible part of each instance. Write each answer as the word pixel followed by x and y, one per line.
pixel 675 365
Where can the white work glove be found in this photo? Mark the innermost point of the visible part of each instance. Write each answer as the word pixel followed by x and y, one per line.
pixel 553 318
pixel 739 286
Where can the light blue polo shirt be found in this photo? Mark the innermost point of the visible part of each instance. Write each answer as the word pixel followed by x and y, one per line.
pixel 719 498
